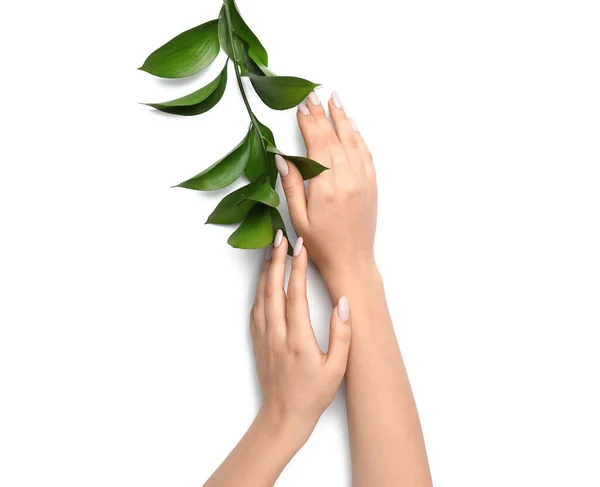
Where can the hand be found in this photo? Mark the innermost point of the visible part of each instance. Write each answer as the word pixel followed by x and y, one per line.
pixel 339 218
pixel 298 381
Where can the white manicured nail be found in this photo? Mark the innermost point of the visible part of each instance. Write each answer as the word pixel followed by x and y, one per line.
pixel 303 110
pixel 278 238
pixel 282 165
pixel 335 98
pixel 343 309
pixel 314 98
pixel 298 247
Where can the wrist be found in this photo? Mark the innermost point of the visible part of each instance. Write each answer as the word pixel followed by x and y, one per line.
pixel 284 430
pixel 342 280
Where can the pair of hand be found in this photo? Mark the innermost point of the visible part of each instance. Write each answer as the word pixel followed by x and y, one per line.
pixel 336 224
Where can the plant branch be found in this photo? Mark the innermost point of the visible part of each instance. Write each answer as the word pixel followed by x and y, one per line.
pixel 236 67
pixel 238 76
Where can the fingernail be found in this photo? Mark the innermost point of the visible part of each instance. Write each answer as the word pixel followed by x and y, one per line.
pixel 282 166
pixel 269 252
pixel 343 309
pixel 298 247
pixel 314 98
pixel 335 98
pixel 278 238
pixel 303 110
pixel 353 125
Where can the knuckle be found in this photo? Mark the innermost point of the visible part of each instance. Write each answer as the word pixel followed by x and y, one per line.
pixel 293 190
pixel 352 189
pixel 343 334
pixel 330 197
pixel 319 144
pixel 270 291
pixel 353 142
pixel 295 296
pixel 274 345
pixel 290 191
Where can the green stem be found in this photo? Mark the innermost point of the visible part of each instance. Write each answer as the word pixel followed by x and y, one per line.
pixel 244 97
pixel 238 76
pixel 236 67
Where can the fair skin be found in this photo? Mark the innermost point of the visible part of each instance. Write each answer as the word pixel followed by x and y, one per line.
pixel 386 441
pixel 298 381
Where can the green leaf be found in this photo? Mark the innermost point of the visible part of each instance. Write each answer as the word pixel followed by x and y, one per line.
pixel 256 51
pixel 223 172
pixel 232 44
pixel 262 193
pixel 281 92
pixel 236 205
pixel 277 223
pixel 307 167
pixel 256 231
pixel 253 66
pixel 258 159
pixel 186 54
pixel 231 209
pixel 267 133
pixel 198 102
pixel 269 140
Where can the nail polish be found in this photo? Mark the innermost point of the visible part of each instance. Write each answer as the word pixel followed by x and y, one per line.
pixel 298 247
pixel 269 252
pixel 314 98
pixel 353 124
pixel 343 309
pixel 278 238
pixel 303 110
pixel 282 165
pixel 335 98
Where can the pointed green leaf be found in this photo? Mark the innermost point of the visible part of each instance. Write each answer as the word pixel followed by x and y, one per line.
pixel 255 50
pixel 186 54
pixel 281 92
pixel 257 161
pixel 269 139
pixel 198 102
pixel 267 133
pixel 253 66
pixel 221 173
pixel 231 209
pixel 307 167
pixel 256 231
pixel 277 223
pixel 263 193
pixel 231 43
pixel 236 205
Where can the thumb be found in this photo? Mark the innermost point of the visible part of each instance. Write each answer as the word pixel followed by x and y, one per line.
pixel 293 187
pixel 339 337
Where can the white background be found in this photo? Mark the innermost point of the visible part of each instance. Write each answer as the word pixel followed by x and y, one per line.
pixel 124 352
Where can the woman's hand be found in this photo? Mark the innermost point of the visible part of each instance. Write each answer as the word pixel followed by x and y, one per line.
pixel 297 379
pixel 338 220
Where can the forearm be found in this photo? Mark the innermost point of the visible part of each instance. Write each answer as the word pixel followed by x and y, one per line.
pixel 260 456
pixel 386 441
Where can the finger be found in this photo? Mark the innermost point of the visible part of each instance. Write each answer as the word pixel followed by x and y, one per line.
pixel 367 157
pixel 275 306
pixel 318 112
pixel 258 308
pixel 299 327
pixel 315 140
pixel 339 339
pixel 346 133
pixel 295 193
